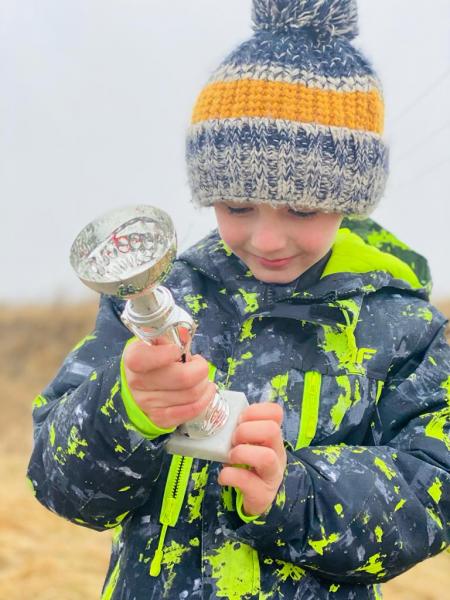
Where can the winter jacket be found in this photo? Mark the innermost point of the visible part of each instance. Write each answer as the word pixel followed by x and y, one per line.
pixel 358 360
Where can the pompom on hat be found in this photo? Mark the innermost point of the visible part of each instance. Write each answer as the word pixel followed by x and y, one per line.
pixel 294 116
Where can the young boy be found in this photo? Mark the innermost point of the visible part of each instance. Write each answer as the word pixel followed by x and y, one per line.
pixel 324 324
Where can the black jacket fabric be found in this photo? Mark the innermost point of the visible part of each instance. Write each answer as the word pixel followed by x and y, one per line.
pixel 356 356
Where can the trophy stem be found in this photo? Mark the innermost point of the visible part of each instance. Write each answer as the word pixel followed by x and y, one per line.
pixel 155 314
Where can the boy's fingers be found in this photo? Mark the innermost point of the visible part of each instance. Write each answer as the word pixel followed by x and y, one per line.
pixel 265 461
pixel 173 416
pixel 262 433
pixel 172 377
pixel 263 411
pixel 161 399
pixel 252 487
pixel 142 358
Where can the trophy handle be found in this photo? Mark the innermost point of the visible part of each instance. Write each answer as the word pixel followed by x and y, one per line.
pixel 155 314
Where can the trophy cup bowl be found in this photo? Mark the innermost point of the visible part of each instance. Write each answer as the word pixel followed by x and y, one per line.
pixel 127 253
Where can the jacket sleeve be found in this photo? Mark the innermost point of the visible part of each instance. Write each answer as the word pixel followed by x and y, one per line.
pixel 364 514
pixel 91 463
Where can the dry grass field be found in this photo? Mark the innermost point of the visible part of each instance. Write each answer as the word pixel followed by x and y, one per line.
pixel 41 556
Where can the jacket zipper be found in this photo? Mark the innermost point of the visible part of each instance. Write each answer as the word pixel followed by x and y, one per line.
pixel 174 491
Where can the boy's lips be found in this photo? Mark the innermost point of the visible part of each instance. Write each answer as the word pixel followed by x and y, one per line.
pixel 274 263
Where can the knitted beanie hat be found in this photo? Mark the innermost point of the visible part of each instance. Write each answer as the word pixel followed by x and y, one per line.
pixel 293 116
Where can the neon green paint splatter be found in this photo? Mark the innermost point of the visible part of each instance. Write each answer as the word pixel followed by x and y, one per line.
pixel 246 331
pixel 320 545
pixel 400 504
pixel 30 485
pixel 435 517
pixel 125 489
pixel 112 582
pixel 378 533
pixel 195 303
pixel 374 565
pixel 116 533
pixel 195 542
pixel 52 434
pixel 172 556
pixel 251 300
pixel 195 500
pixel 74 443
pixel 119 449
pixel 380 238
pixel 344 402
pixel 334 587
pixel 331 453
pixel 369 288
pixel 435 490
pixel 342 342
pixel 109 407
pixel 93 376
pixel 280 498
pixel 235 569
pixel 446 386
pixel 390 473
pixel 425 313
pixel 365 518
pixel 432 361
pixel 119 519
pixel 60 455
pixel 233 363
pixel 221 246
pixel 279 385
pixel 288 570
pixel 377 592
pixel 226 494
pixel 39 401
pixel 380 386
pixel 82 342
pixel 436 427
pixel 339 509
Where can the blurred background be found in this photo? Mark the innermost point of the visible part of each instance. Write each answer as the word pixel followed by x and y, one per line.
pixel 96 97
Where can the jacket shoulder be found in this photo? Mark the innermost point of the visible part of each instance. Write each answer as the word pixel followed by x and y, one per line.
pixel 377 236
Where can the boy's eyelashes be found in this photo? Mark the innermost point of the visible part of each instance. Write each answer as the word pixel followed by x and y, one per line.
pixel 234 210
pixel 302 214
pixel 242 210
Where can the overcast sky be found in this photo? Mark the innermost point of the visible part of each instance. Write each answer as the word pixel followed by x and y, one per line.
pixel 96 96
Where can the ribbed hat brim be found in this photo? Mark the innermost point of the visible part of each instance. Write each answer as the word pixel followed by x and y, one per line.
pixel 260 160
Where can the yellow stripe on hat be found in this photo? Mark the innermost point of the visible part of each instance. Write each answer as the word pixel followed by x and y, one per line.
pixel 291 102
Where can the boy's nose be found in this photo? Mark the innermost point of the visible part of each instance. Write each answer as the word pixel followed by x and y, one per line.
pixel 268 240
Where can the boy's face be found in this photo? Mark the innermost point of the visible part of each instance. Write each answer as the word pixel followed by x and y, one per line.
pixel 277 244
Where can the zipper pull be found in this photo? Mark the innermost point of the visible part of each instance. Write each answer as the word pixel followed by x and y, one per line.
pixel 167 515
pixel 155 565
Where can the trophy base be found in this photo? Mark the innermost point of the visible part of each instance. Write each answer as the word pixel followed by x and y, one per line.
pixel 214 447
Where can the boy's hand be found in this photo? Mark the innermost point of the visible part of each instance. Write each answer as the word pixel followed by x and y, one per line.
pixel 257 442
pixel 168 391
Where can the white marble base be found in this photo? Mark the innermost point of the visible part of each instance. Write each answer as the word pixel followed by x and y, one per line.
pixel 217 446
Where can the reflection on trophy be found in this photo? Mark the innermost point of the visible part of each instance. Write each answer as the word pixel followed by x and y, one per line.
pixel 127 253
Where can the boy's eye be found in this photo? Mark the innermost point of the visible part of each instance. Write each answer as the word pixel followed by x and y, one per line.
pixel 241 210
pixel 302 214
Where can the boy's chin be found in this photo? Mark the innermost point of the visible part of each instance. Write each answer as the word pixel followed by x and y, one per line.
pixel 280 278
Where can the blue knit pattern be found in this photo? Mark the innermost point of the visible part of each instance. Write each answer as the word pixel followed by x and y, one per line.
pixel 333 57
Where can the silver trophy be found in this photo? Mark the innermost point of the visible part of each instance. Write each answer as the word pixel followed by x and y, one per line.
pixel 127 253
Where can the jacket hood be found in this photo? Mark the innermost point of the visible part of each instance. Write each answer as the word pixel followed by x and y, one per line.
pixel 364 258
